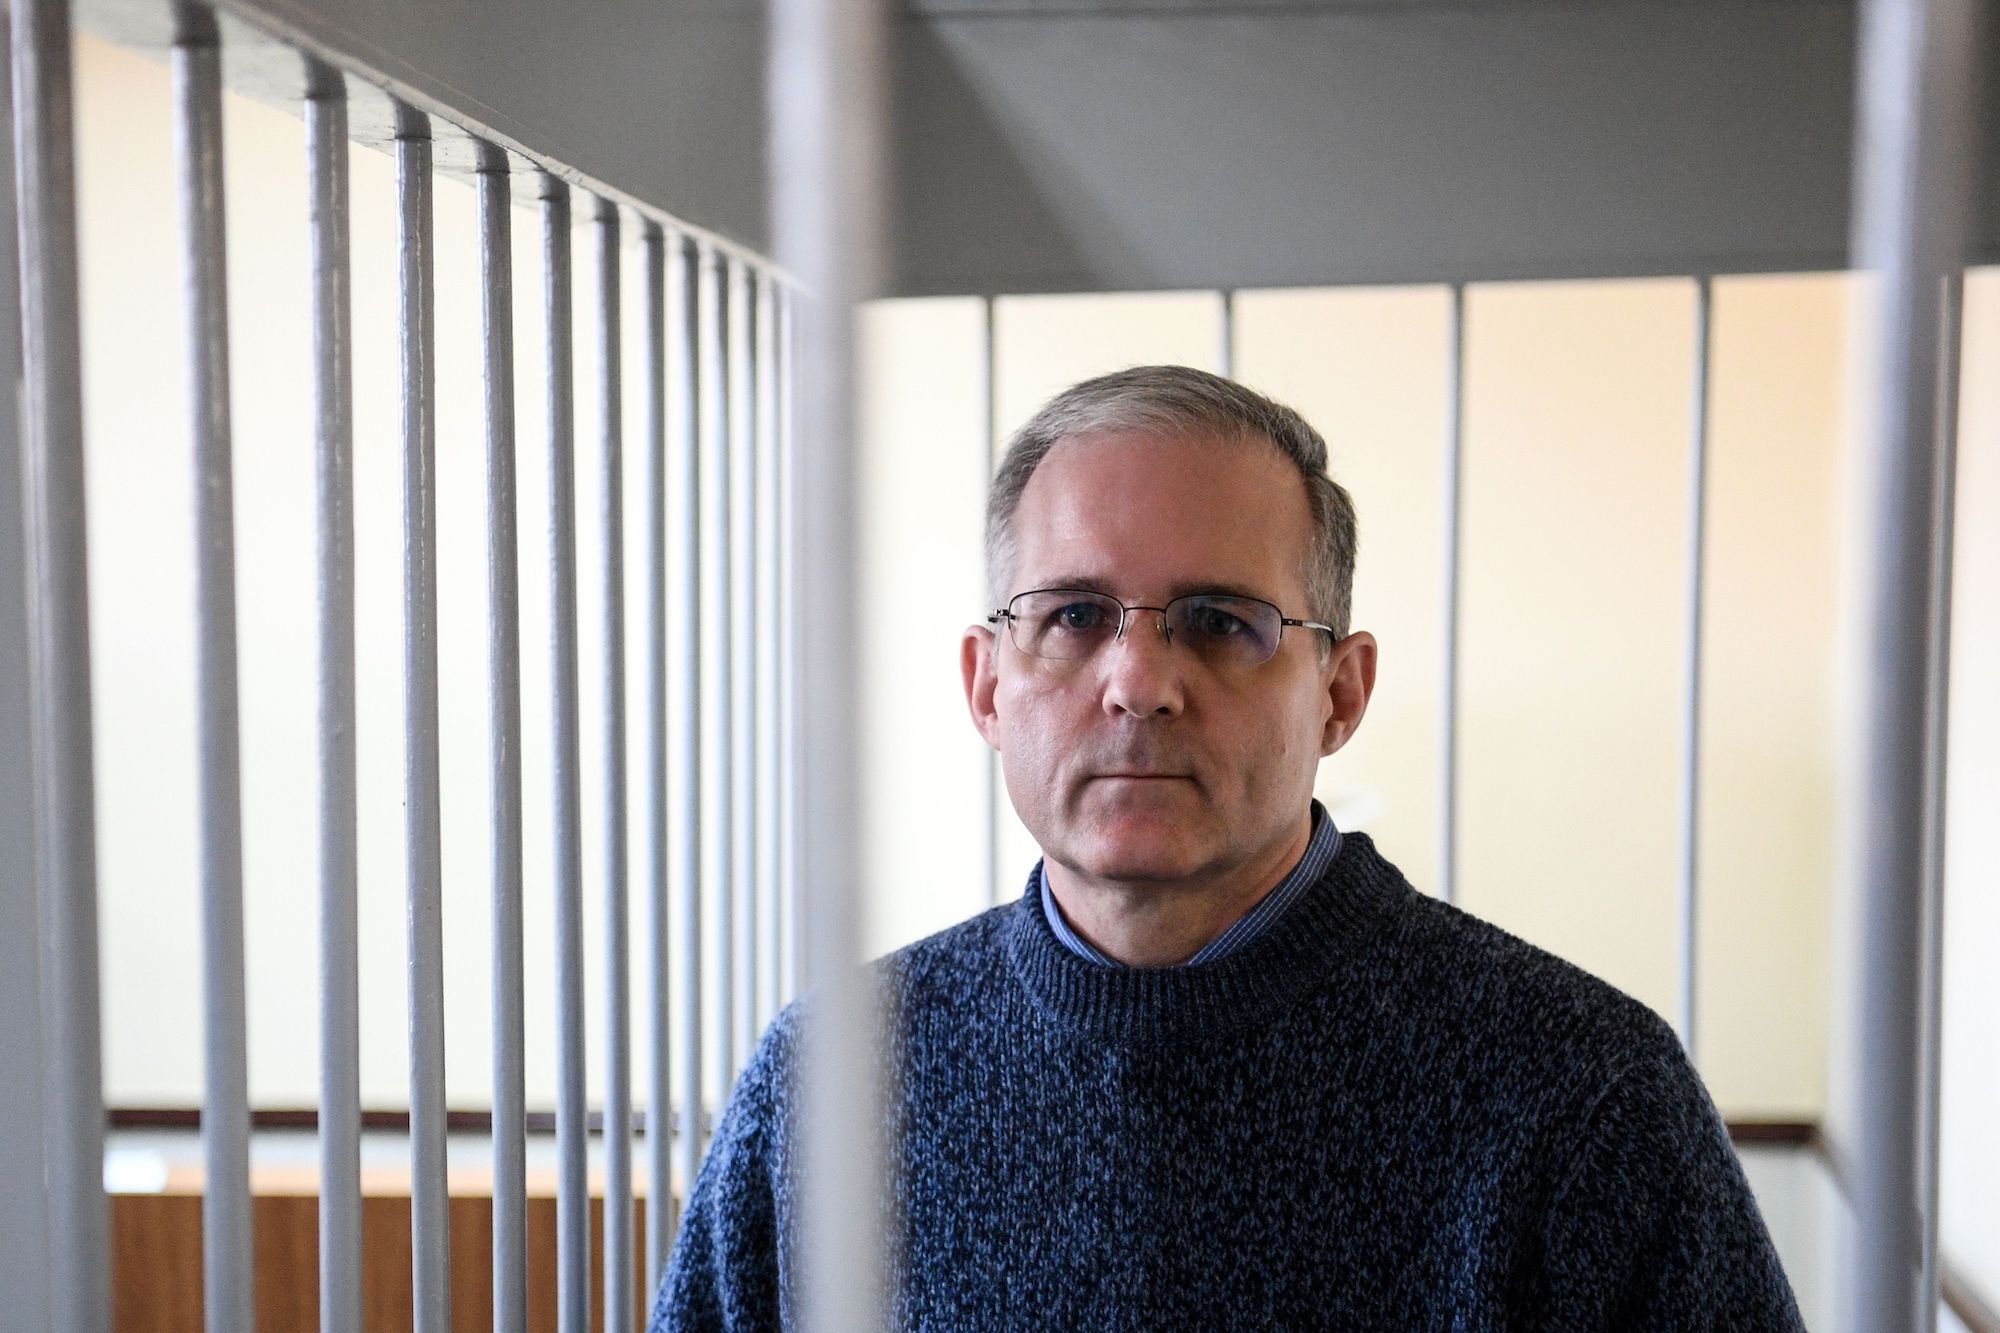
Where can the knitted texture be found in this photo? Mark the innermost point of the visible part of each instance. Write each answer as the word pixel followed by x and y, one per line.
pixel 1380 1114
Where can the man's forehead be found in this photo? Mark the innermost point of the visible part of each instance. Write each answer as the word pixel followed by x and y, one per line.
pixel 1178 514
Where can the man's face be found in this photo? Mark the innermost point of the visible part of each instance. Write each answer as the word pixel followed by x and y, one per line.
pixel 1142 763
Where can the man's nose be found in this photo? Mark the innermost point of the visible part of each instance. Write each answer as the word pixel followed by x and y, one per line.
pixel 1141 670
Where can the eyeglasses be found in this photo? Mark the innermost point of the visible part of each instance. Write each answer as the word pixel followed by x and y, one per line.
pixel 1222 630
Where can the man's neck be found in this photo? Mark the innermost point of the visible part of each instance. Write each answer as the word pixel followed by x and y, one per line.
pixel 1155 923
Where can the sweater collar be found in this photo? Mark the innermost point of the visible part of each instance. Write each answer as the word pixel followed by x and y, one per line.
pixel 1329 922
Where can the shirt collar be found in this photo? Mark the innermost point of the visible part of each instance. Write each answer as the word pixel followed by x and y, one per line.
pixel 1320 851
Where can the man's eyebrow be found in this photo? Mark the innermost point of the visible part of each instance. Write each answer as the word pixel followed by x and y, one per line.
pixel 1194 588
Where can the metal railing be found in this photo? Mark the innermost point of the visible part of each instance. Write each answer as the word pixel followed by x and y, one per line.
pixel 718 767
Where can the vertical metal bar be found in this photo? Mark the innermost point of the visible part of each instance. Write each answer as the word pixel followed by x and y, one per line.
pixel 769 752
pixel 688 710
pixel 717 780
pixel 59 680
pixel 742 661
pixel 1454 530
pixel 989 446
pixel 828 98
pixel 572 1129
pixel 1951 334
pixel 1690 848
pixel 792 788
pixel 430 1240
pixel 617 906
pixel 1225 360
pixel 225 1117
pixel 339 931
pixel 503 673
pixel 24 1218
pixel 1914 130
pixel 653 792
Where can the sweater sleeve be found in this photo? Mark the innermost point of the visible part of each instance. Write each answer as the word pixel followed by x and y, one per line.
pixel 725 1273
pixel 1654 1228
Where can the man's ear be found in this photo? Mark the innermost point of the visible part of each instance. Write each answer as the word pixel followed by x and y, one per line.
pixel 977 652
pixel 1349 673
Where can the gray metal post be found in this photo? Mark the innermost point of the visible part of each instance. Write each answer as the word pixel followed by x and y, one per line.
pixel 791 889
pixel 617 909
pixel 1937 730
pixel 1690 848
pixel 769 752
pixel 572 1128
pixel 989 445
pixel 59 675
pixel 503 673
pixel 430 1236
pixel 687 707
pixel 828 77
pixel 24 1214
pixel 718 749
pixel 1454 529
pixel 225 1115
pixel 1225 351
pixel 742 662
pixel 339 932
pixel 1915 126
pixel 653 788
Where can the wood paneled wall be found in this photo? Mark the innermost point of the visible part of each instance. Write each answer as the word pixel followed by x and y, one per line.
pixel 156 1263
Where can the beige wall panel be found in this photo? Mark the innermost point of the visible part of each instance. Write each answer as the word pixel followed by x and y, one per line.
pixel 1970 1152
pixel 1575 500
pixel 922 488
pixel 1367 367
pixel 1044 344
pixel 1778 435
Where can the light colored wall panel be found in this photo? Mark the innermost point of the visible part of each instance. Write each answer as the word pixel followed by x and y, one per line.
pixel 1044 344
pixel 1367 367
pixel 1575 495
pixel 1969 1224
pixel 1778 434
pixel 922 492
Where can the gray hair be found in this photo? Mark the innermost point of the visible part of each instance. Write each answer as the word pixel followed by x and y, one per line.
pixel 1179 402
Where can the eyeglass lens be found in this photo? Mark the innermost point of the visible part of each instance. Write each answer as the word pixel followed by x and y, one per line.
pixel 1219 629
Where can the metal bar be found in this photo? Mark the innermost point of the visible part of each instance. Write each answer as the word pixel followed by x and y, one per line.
pixel 742 660
pixel 792 887
pixel 1951 320
pixel 1690 848
pixel 717 781
pixel 1454 529
pixel 24 1218
pixel 687 710
pixel 572 1130
pixel 769 751
pixel 653 791
pixel 989 447
pixel 1914 130
pixel 1225 360
pixel 828 95
pixel 339 930
pixel 225 1129
pixel 617 907
pixel 59 679
pixel 430 1252
pixel 503 673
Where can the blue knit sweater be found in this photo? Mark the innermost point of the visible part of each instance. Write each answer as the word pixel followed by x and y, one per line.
pixel 1381 1114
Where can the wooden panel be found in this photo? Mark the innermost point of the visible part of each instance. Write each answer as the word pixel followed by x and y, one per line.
pixel 156 1263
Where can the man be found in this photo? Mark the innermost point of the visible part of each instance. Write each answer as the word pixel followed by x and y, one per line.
pixel 1221 1066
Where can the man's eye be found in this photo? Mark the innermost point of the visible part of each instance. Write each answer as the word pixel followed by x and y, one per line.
pixel 1217 623
pixel 1079 616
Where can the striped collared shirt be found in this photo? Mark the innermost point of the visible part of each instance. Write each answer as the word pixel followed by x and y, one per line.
pixel 1320 851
